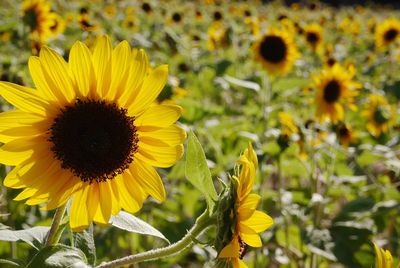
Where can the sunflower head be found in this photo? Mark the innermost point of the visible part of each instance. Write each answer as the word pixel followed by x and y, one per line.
pixel 240 222
pixel 380 114
pixel 276 52
pixel 335 89
pixel 345 133
pixel 313 35
pixel 38 17
pixel 93 132
pixel 387 32
pixel 217 36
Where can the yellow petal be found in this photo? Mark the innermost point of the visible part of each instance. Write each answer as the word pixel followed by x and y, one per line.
pixel 16 151
pixel 115 194
pixel 128 200
pixel 170 136
pixel 159 156
pixel 152 85
pixel 57 75
pixel 103 212
pixel 78 213
pixel 248 206
pixel 72 185
pixel 158 116
pixel 39 79
pixel 121 60
pixel 252 240
pixel 23 98
pixel 81 66
pixel 149 179
pixel 259 222
pixel 231 250
pixel 138 70
pixel 102 64
pixel 92 203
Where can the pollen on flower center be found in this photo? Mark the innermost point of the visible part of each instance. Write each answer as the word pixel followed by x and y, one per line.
pixel 332 91
pixel 390 35
pixel 273 49
pixel 96 140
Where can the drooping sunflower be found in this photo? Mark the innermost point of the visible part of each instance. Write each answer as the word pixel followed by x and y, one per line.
pixel 313 35
pixel 288 129
pixel 246 222
pixel 380 114
pixel 38 17
pixel 335 89
pixel 276 51
pixel 345 134
pixel 383 258
pixel 91 131
pixel 387 32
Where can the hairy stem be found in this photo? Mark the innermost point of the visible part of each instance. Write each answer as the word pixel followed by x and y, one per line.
pixel 52 237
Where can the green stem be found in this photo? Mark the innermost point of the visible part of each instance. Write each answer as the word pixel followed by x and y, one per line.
pixel 202 223
pixel 281 206
pixel 52 237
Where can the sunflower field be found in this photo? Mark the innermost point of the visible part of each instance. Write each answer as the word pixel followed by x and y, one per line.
pixel 199 134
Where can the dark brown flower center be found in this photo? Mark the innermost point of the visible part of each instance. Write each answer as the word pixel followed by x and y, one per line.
pixel 343 131
pixel 273 49
pixel 242 248
pixel 381 115
pixel 30 18
pixel 176 17
pixel 391 35
pixel 217 15
pixel 146 7
pixel 95 140
pixel 332 91
pixel 312 37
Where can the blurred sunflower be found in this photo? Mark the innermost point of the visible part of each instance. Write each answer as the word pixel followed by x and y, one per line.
pixel 176 18
pixel 313 35
pixel 335 89
pixel 37 16
pixel 130 23
pixel 383 258
pixel 85 21
pixel 110 10
pixel 380 115
pixel 146 7
pixel 82 135
pixel 387 32
pixel 58 25
pixel 345 134
pixel 276 51
pixel 288 129
pixel 217 36
pixel 246 222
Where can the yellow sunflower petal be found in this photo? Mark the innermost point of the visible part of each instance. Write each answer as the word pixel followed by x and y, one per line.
pixel 103 212
pixel 23 98
pixel 57 75
pixel 231 250
pixel 252 240
pixel 158 116
pixel 149 179
pixel 81 66
pixel 159 156
pixel 259 221
pixel 151 88
pixel 64 194
pixel 127 199
pixel 248 206
pixel 78 213
pixel 170 136
pixel 102 64
pixel 121 60
pixel 39 79
pixel 238 263
pixel 16 151
pixel 92 203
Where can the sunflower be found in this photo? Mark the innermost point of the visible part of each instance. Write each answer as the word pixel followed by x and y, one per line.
pixel 335 89
pixel 130 23
pixel 313 35
pixel 217 36
pixel 387 32
pixel 90 132
pixel 287 124
pixel 383 258
pixel 58 25
pixel 380 115
pixel 37 16
pixel 247 222
pixel 345 134
pixel 276 52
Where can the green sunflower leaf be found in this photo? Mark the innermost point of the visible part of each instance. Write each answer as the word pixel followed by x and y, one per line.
pixel 130 223
pixel 33 236
pixel 59 256
pixel 85 242
pixel 13 262
pixel 197 171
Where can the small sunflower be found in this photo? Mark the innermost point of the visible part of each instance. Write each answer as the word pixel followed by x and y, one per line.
pixel 387 32
pixel 37 16
pixel 380 115
pixel 335 89
pixel 217 36
pixel 276 52
pixel 313 35
pixel 90 131
pixel 58 25
pixel 287 124
pixel 130 23
pixel 247 222
pixel 345 134
pixel 176 18
pixel 383 258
